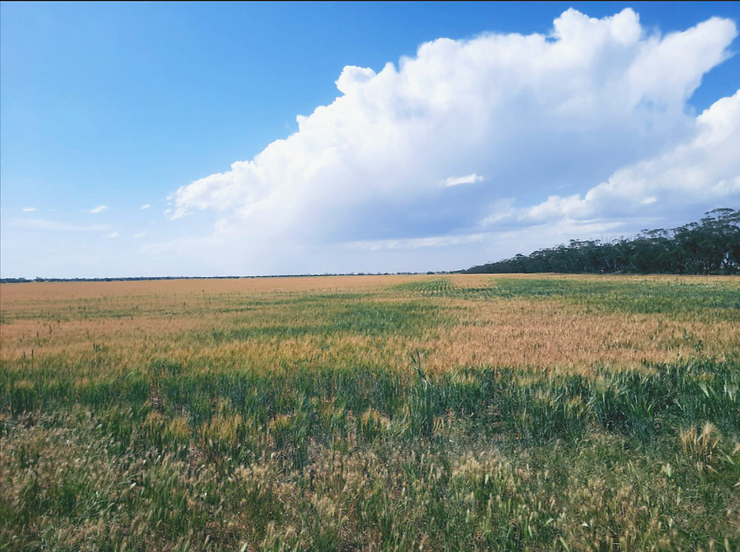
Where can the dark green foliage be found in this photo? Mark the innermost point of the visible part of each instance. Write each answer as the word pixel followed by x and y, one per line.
pixel 711 246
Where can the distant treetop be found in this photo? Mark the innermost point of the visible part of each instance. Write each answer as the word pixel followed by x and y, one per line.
pixel 710 246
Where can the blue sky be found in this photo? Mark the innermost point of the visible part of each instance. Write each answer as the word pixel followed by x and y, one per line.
pixel 476 148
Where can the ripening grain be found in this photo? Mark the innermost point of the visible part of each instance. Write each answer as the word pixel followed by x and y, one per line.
pixel 533 412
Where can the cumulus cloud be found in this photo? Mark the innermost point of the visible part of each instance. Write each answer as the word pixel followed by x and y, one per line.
pixel 98 209
pixel 703 172
pixel 535 114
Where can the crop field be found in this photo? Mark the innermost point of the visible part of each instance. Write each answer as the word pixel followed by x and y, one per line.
pixel 439 412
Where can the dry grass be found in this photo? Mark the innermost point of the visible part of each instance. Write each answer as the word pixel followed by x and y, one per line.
pixel 134 320
pixel 44 292
pixel 549 334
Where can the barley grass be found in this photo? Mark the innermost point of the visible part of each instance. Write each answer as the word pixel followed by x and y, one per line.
pixel 464 412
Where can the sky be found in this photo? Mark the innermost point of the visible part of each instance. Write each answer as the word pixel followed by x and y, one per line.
pixel 214 139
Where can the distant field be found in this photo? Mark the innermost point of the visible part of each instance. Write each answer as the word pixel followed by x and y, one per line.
pixel 460 412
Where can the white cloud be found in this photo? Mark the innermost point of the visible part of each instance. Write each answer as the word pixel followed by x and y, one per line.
pixel 145 206
pixel 700 173
pixel 139 235
pixel 112 235
pixel 458 180
pixel 28 209
pixel 98 209
pixel 535 114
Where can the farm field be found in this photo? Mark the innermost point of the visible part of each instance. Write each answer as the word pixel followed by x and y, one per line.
pixel 455 412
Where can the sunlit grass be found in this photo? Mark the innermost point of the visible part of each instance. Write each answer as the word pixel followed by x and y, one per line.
pixel 434 413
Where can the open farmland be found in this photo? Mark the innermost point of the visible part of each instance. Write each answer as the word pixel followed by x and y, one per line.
pixel 461 412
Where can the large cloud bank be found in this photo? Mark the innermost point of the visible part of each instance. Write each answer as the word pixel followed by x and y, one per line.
pixel 474 142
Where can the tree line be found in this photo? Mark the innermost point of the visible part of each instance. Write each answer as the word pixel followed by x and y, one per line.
pixel 710 246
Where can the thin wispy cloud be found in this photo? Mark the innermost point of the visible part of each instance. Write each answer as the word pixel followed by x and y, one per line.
pixel 43 224
pixel 112 235
pixel 434 241
pixel 139 235
pixel 459 180
pixel 98 209
pixel 28 209
pixel 145 206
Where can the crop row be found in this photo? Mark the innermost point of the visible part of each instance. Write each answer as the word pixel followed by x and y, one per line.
pixel 291 405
